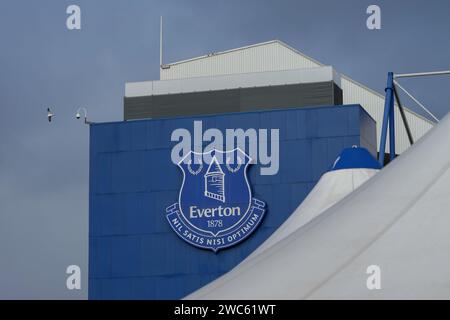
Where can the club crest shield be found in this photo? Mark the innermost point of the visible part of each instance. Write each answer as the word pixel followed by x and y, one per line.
pixel 215 208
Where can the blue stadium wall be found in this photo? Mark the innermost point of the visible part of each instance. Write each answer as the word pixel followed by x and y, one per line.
pixel 133 252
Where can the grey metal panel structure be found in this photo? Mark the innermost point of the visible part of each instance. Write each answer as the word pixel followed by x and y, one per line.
pixel 232 81
pixel 233 100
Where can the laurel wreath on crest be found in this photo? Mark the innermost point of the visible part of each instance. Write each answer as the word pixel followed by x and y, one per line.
pixel 227 163
pixel 192 171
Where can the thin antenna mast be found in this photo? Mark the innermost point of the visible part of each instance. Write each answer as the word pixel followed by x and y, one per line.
pixel 161 43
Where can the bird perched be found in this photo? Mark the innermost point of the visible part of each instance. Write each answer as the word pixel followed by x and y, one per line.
pixel 49 115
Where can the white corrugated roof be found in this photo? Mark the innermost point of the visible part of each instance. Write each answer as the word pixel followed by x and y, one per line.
pixel 244 48
pixel 276 41
pixel 276 55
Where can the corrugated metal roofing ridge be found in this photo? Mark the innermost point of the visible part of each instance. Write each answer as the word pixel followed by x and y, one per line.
pixel 222 52
pixel 244 48
pixel 303 55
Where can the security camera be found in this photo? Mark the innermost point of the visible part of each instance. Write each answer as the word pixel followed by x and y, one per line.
pixel 78 114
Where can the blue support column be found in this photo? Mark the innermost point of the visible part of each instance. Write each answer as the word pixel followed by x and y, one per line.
pixel 388 105
pixel 392 131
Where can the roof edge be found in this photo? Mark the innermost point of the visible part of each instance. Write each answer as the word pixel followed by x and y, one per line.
pixel 303 55
pixel 354 81
pixel 221 52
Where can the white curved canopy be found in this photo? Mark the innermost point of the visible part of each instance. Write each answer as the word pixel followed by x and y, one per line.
pixel 398 220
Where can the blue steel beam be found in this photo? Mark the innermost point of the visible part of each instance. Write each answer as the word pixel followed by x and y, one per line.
pixel 388 105
pixel 392 130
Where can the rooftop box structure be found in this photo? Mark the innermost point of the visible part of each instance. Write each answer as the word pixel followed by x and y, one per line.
pixel 261 76
pixel 232 93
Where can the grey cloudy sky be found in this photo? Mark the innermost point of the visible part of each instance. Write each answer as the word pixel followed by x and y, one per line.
pixel 44 167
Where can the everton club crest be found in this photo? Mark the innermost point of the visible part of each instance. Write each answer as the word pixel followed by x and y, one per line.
pixel 215 209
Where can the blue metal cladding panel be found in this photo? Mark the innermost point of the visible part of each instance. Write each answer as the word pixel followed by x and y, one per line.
pixel 133 252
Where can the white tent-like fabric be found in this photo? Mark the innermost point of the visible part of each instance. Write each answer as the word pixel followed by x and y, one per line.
pixel 399 220
pixel 350 170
